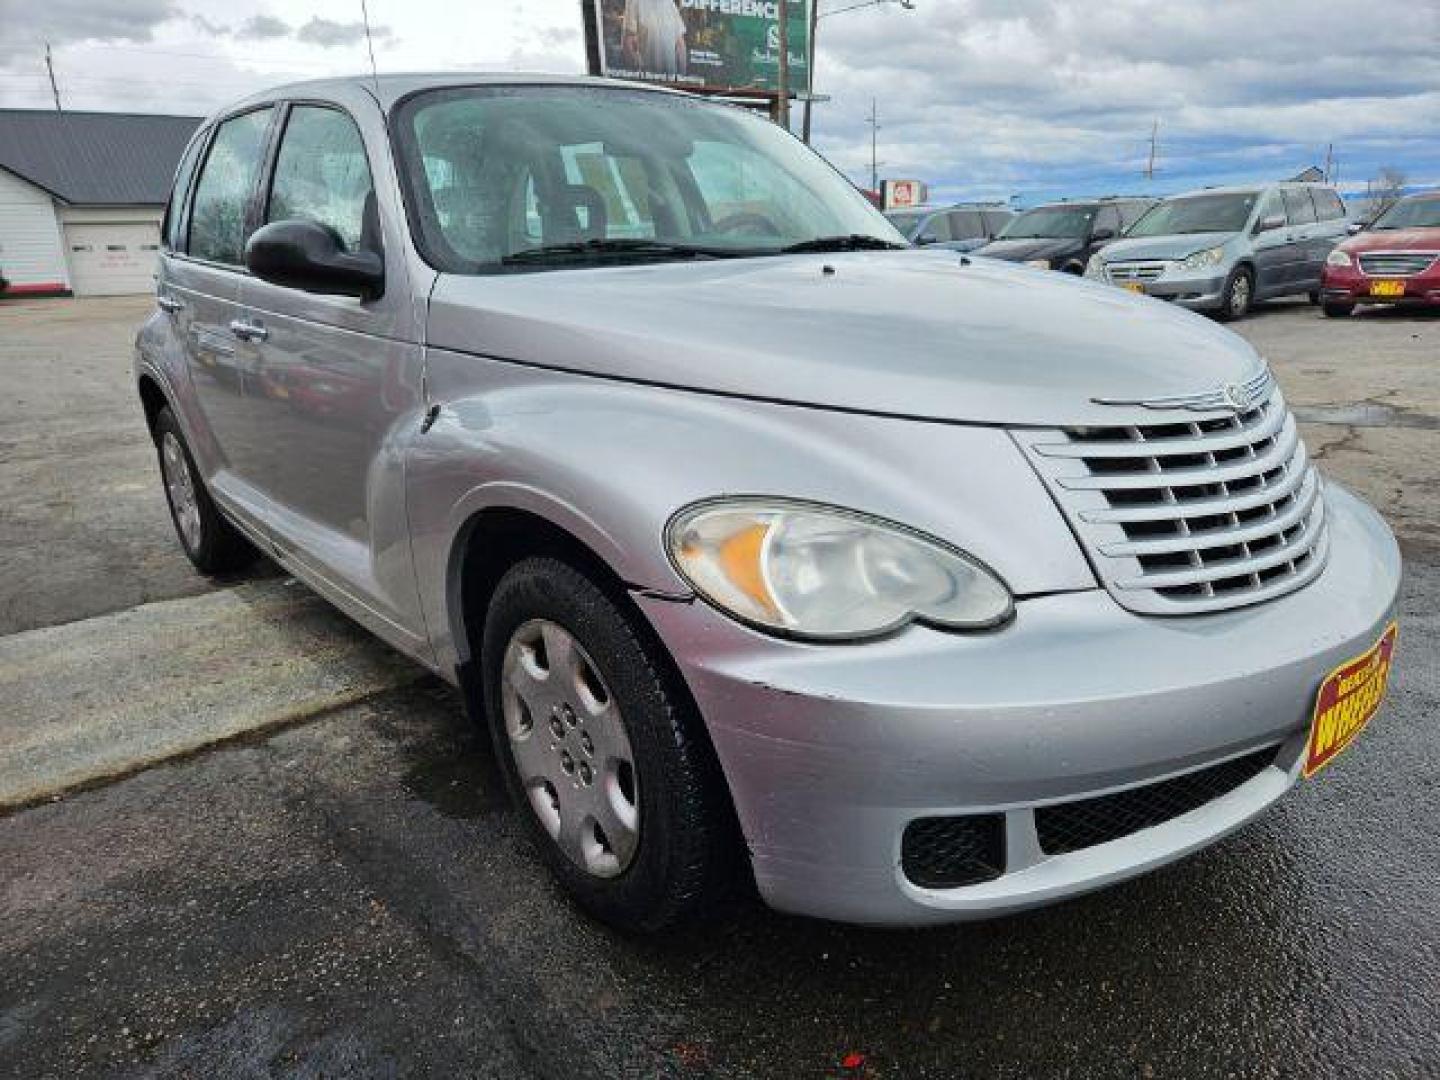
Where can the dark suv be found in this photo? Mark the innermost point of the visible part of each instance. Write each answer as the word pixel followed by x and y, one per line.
pixel 962 227
pixel 1063 235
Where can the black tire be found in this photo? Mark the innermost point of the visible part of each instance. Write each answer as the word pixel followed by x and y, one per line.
pixel 1335 310
pixel 686 854
pixel 1314 297
pixel 1237 296
pixel 214 546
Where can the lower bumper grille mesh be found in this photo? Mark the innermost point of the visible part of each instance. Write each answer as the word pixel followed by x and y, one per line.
pixel 943 852
pixel 1088 822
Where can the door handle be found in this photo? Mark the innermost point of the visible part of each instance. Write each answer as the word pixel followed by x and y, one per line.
pixel 168 303
pixel 248 331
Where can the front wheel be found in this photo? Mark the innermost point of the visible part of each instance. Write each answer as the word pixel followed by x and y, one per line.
pixel 210 542
pixel 1237 296
pixel 603 754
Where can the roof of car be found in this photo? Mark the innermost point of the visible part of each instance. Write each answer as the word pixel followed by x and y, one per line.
pixel 390 88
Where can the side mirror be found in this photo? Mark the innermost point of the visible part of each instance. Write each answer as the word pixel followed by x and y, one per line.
pixel 1270 223
pixel 921 241
pixel 1355 227
pixel 305 255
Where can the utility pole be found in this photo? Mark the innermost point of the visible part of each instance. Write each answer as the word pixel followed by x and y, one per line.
pixel 810 72
pixel 1150 164
pixel 1329 160
pixel 874 122
pixel 782 112
pixel 50 67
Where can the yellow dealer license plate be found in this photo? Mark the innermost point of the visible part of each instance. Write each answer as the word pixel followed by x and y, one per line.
pixel 1387 288
pixel 1135 286
pixel 1348 698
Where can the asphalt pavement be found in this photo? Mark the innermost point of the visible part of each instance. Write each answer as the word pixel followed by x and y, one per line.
pixel 349 894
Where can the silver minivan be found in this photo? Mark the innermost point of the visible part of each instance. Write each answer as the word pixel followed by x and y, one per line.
pixel 763 547
pixel 1221 249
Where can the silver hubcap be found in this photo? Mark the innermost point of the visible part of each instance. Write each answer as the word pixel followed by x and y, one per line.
pixel 570 748
pixel 181 486
pixel 1240 294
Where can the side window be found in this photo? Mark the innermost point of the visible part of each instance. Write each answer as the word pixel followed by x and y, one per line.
pixel 1107 218
pixel 172 230
pixel 1131 212
pixel 1271 205
pixel 1298 206
pixel 1327 204
pixel 217 215
pixel 322 175
pixel 966 225
pixel 936 229
pixel 995 221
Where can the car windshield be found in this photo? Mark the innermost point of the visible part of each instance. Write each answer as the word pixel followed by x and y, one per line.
pixel 907 222
pixel 539 177
pixel 1410 214
pixel 1051 222
pixel 1197 214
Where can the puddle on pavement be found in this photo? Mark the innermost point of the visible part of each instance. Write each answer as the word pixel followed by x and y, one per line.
pixel 1365 414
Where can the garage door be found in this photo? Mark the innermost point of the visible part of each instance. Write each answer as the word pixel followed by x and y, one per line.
pixel 108 260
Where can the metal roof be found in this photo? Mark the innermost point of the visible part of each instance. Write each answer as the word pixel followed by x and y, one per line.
pixel 94 158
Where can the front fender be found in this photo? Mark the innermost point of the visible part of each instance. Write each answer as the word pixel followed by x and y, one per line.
pixel 610 462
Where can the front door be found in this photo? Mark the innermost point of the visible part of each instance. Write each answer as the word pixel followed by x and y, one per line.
pixel 334 395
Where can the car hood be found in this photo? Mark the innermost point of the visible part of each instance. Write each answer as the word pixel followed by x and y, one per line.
pixel 914 334
pixel 1394 240
pixel 1038 248
pixel 1165 247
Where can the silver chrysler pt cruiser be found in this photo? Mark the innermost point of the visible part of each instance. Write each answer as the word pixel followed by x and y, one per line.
pixel 914 587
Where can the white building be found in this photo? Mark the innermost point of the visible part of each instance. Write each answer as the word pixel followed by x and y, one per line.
pixel 81 198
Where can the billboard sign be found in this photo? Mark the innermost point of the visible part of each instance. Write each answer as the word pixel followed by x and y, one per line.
pixel 902 194
pixel 710 46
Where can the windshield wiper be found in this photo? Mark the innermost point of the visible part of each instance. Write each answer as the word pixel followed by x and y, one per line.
pixel 616 246
pixel 851 242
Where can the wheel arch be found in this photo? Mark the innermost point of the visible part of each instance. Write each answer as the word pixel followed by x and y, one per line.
pixel 152 399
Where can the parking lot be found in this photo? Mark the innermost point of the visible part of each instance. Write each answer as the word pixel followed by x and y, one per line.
pixel 240 838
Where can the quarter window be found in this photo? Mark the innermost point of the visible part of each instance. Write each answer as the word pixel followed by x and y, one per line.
pixel 322 175
pixel 1298 206
pixel 222 195
pixel 173 230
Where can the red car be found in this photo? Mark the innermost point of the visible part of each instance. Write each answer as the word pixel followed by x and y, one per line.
pixel 1394 261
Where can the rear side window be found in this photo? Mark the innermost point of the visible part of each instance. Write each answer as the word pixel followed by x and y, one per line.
pixel 1107 218
pixel 222 194
pixel 172 232
pixel 322 175
pixel 1327 204
pixel 1298 207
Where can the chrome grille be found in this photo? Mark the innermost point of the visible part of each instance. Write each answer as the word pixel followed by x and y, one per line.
pixel 1197 514
pixel 1396 263
pixel 1123 272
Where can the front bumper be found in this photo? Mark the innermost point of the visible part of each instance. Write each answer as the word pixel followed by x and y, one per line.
pixel 1198 291
pixel 831 751
pixel 1349 285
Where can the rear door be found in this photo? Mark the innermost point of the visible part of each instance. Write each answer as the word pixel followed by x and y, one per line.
pixel 204 278
pixel 1331 228
pixel 334 394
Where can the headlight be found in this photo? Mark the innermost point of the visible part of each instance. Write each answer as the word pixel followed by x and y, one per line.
pixel 1337 258
pixel 1201 259
pixel 1038 264
pixel 819 572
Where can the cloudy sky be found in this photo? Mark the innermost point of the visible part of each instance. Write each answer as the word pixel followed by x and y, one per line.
pixel 982 98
